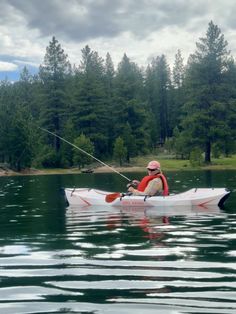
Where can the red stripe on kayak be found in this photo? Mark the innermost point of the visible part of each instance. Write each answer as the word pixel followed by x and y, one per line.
pixel 86 202
pixel 203 204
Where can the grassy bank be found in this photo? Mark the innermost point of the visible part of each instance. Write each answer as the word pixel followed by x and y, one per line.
pixel 177 164
pixel 137 164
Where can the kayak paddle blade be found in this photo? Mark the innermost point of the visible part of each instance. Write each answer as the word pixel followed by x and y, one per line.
pixel 111 197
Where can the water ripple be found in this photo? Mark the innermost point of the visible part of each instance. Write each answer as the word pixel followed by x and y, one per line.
pixel 103 260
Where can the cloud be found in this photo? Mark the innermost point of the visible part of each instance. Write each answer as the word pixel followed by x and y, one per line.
pixel 140 28
pixel 7 66
pixel 89 19
pixel 26 63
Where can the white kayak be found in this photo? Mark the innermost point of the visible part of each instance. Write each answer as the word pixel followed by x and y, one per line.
pixel 193 197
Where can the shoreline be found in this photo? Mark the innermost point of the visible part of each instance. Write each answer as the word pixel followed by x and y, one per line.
pixel 31 172
pixel 103 169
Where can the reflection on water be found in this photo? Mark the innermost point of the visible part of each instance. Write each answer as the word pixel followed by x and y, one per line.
pixel 114 260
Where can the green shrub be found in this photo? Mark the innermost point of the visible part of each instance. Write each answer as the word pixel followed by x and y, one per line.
pixel 196 158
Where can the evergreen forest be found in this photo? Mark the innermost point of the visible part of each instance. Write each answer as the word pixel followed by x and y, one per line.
pixel 189 110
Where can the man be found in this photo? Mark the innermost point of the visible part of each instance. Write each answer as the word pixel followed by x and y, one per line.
pixel 154 183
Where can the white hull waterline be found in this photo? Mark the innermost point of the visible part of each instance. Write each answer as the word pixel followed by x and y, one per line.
pixel 193 197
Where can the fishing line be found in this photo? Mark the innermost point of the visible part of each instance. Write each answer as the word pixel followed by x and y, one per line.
pixel 80 149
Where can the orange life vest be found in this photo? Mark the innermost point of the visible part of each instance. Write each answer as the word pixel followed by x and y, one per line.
pixel 144 182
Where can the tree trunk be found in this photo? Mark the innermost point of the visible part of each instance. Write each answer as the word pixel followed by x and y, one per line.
pixel 208 152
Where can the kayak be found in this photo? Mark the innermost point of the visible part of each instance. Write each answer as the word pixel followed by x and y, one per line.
pixel 193 197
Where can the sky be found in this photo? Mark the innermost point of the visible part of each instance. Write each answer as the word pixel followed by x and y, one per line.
pixel 143 29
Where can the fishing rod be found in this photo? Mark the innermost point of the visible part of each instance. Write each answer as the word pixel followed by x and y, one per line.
pixel 101 162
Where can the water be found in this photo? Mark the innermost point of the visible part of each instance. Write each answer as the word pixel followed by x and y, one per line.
pixel 104 260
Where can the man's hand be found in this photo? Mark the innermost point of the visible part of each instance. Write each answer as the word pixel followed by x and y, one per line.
pixel 131 189
pixel 133 183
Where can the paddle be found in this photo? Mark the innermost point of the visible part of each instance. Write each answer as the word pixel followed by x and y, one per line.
pixel 111 197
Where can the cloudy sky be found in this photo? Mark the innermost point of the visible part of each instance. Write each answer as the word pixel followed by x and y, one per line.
pixel 142 29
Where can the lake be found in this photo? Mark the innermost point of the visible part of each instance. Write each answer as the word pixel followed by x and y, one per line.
pixel 55 259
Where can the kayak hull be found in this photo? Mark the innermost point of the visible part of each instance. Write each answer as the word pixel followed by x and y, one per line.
pixel 193 197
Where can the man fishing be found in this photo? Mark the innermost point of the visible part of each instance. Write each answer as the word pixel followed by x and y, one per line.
pixel 154 183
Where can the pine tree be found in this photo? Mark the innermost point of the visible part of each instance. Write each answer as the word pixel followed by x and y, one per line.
pixel 177 92
pixel 80 158
pixel 109 75
pixel 120 150
pixel 178 71
pixel 53 73
pixel 15 127
pixel 158 87
pixel 89 100
pixel 110 99
pixel 130 105
pixel 206 106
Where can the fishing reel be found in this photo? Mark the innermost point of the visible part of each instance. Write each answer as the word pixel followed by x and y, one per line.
pixel 134 184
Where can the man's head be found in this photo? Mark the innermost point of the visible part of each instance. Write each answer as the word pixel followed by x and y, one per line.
pixel 153 167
